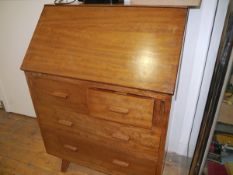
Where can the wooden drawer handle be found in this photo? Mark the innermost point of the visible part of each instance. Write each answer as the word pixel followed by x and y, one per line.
pixel 65 122
pixel 120 163
pixel 60 94
pixel 120 136
pixel 70 147
pixel 119 110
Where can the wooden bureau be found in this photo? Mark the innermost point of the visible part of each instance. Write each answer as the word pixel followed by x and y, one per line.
pixel 101 80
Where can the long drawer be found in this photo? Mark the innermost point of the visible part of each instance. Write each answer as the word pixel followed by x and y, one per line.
pixel 92 154
pixel 137 141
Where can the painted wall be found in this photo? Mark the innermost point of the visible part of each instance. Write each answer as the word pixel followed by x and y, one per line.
pixel 208 72
pixel 199 54
pixel 18 19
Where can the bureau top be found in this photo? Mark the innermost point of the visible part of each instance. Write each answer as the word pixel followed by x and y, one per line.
pixel 137 47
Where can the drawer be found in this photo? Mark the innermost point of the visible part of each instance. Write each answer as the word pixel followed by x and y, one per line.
pixel 91 154
pixel 126 109
pixel 139 141
pixel 59 93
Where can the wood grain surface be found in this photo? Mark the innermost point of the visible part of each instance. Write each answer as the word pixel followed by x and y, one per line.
pixel 58 113
pixel 126 109
pixel 22 151
pixel 137 47
pixel 94 155
pixel 131 140
pixel 101 80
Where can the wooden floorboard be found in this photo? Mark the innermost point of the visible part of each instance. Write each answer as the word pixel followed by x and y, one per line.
pixel 22 151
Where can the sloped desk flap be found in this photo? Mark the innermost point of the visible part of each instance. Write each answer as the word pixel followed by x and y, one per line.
pixel 137 47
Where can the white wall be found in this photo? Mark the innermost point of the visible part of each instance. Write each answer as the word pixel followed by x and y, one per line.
pixel 18 19
pixel 199 56
pixel 210 63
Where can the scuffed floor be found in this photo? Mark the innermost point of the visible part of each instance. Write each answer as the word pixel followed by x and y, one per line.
pixel 22 151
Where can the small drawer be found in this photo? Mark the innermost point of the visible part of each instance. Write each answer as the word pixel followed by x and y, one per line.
pixel 126 109
pixel 58 93
pixel 138 141
pixel 89 153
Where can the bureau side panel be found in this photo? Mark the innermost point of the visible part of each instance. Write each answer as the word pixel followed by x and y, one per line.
pixel 162 112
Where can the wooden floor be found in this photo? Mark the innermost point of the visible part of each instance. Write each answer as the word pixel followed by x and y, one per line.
pixel 22 151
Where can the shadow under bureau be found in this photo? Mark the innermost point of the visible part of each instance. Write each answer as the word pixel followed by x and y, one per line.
pixel 101 80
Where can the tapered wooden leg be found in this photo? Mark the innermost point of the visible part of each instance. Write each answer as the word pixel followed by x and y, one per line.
pixel 64 165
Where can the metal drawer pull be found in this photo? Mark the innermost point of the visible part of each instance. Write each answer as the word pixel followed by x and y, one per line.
pixel 120 136
pixel 65 122
pixel 120 163
pixel 119 110
pixel 72 148
pixel 59 94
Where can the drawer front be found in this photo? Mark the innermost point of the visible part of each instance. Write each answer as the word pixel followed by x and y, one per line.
pixel 59 93
pixel 138 141
pixel 88 153
pixel 126 109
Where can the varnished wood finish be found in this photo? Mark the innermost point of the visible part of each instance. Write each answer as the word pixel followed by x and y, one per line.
pixel 62 80
pixel 22 151
pixel 64 165
pixel 65 122
pixel 120 163
pixel 69 95
pixel 101 84
pixel 137 141
pixel 92 154
pixel 61 115
pixel 126 109
pixel 135 47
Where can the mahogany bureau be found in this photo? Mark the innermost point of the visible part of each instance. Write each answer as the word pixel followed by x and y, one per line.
pixel 101 80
